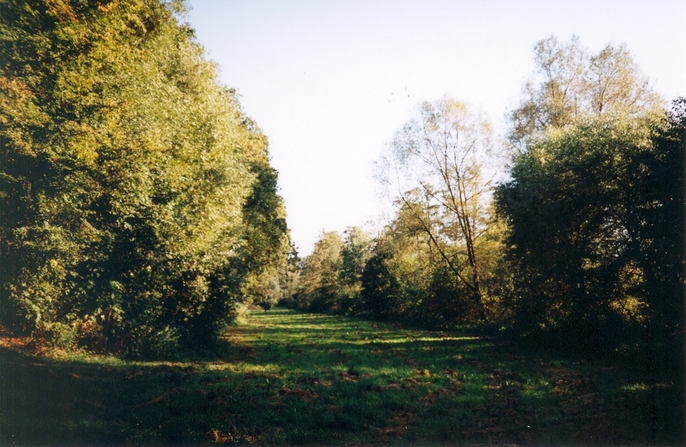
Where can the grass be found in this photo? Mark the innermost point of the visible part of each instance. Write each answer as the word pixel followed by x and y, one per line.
pixel 292 378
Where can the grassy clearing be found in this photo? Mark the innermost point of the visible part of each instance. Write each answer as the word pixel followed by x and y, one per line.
pixel 292 378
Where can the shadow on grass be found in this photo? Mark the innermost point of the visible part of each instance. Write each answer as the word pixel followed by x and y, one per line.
pixel 46 401
pixel 293 378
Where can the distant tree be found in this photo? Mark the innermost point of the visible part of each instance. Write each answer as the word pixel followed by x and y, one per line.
pixel 289 276
pixel 357 245
pixel 380 295
pixel 395 278
pixel 442 156
pixel 319 284
pixel 570 83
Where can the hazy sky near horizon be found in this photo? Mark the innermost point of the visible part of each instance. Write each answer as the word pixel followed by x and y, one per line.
pixel 330 81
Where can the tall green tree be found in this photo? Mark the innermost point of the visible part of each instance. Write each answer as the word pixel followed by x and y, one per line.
pixel 357 246
pixel 442 154
pixel 126 173
pixel 584 204
pixel 319 284
pixel 576 238
pixel 265 242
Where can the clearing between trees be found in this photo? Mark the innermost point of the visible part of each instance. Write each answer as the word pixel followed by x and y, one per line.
pixel 295 378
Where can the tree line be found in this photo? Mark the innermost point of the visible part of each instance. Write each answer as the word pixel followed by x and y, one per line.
pixel 138 205
pixel 569 229
pixel 139 212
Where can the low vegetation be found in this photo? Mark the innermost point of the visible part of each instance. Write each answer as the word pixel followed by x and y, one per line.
pixel 295 378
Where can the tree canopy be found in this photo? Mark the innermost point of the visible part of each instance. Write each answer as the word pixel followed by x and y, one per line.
pixel 437 163
pixel 570 83
pixel 582 206
pixel 139 209
pixel 131 179
pixel 579 244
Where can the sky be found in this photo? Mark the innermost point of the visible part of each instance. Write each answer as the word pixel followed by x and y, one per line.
pixel 330 81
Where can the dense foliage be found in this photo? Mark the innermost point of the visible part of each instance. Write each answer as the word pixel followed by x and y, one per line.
pixel 595 203
pixel 580 246
pixel 137 202
pixel 595 222
pixel 140 211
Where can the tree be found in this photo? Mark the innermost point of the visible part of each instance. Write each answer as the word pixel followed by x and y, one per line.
pixel 572 206
pixel 125 172
pixel 395 279
pixel 319 276
pixel 583 205
pixel 569 83
pixel 289 276
pixel 380 295
pixel 655 222
pixel 441 155
pixel 355 253
pixel 265 241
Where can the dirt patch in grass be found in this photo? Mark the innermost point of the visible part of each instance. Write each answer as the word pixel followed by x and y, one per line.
pixel 396 429
pixel 316 381
pixel 429 398
pixel 286 394
pixel 582 406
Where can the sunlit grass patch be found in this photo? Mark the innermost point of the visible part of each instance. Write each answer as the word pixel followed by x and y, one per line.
pixel 645 387
pixel 243 367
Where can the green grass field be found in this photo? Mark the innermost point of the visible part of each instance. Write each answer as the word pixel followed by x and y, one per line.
pixel 292 378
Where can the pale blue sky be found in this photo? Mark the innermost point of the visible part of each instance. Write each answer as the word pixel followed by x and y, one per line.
pixel 329 82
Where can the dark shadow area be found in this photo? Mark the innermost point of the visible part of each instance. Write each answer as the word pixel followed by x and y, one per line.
pixel 50 402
